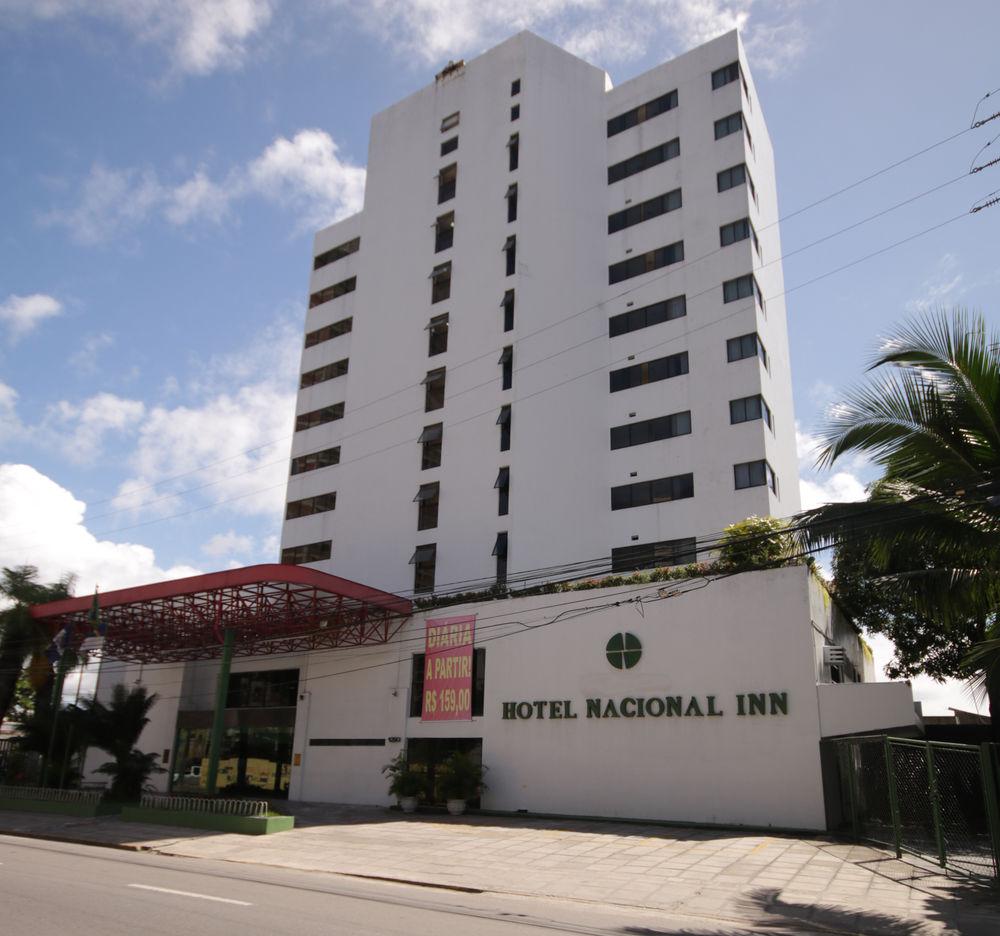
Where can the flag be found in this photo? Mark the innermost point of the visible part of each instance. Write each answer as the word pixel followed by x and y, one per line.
pixel 97 626
pixel 58 646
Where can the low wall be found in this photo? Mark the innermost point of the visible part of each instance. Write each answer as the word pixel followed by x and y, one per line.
pixel 857 708
pixel 243 825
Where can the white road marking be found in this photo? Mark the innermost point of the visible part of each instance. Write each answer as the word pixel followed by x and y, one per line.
pixel 167 890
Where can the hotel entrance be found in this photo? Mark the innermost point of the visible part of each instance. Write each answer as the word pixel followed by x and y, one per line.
pixel 426 755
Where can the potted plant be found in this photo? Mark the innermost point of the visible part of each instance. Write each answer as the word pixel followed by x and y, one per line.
pixel 405 783
pixel 461 779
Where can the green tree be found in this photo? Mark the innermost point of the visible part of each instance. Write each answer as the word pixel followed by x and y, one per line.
pixel 20 634
pixel 115 728
pixel 929 417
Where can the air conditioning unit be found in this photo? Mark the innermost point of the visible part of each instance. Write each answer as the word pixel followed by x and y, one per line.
pixel 834 656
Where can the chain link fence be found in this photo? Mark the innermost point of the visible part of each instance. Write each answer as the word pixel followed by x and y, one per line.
pixel 930 798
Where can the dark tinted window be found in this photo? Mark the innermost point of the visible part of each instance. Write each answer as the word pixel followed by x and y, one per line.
pixel 646 316
pixel 646 263
pixel 662 368
pixel 643 112
pixel 651 430
pixel 645 160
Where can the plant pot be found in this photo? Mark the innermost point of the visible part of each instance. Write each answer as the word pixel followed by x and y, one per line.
pixel 408 804
pixel 456 806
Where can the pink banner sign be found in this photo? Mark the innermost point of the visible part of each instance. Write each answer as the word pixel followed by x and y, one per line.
pixel 448 669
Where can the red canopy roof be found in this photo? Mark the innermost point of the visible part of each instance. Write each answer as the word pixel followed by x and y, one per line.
pixel 273 609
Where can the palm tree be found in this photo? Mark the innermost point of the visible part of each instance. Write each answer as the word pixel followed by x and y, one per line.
pixel 930 419
pixel 20 636
pixel 115 728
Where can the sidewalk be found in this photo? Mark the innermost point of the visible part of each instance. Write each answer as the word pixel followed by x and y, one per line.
pixel 726 876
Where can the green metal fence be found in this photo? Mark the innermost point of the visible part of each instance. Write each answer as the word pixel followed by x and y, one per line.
pixel 929 798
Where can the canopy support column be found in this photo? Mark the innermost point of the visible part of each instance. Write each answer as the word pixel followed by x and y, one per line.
pixel 218 716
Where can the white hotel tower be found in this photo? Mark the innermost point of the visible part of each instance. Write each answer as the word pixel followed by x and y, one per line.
pixel 555 334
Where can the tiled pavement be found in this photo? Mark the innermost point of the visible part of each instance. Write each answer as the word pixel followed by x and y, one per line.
pixel 724 876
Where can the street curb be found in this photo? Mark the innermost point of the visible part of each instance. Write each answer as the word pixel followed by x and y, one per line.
pixel 69 840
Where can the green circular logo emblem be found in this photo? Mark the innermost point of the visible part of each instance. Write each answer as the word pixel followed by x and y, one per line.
pixel 623 651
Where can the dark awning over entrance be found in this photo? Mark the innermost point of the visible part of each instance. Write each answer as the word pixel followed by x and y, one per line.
pixel 270 608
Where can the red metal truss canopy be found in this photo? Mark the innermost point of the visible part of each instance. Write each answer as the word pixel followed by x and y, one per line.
pixel 271 608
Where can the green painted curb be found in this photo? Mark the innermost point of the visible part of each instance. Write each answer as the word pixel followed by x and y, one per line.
pixel 85 810
pixel 243 825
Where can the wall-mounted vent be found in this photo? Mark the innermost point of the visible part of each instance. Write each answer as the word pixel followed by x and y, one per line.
pixel 834 656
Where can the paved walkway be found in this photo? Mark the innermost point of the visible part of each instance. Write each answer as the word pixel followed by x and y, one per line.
pixel 725 876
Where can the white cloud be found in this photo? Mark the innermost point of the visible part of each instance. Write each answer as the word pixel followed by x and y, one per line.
pixel 10 423
pixel 229 544
pixel 199 36
pixel 942 287
pixel 22 314
pixel 239 425
pixel 817 488
pixel 304 174
pixel 84 359
pixel 44 527
pixel 431 31
pixel 79 428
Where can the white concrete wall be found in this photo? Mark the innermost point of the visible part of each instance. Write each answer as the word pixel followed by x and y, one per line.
pixel 561 466
pixel 852 708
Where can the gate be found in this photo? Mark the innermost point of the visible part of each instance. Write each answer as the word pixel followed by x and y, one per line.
pixel 929 798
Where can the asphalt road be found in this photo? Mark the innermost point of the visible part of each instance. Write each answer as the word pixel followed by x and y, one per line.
pixel 57 889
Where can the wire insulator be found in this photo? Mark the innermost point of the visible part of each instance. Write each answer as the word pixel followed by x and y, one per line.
pixel 987 165
pixel 985 120
pixel 988 204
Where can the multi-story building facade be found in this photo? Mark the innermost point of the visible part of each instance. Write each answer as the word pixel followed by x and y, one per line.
pixel 554 335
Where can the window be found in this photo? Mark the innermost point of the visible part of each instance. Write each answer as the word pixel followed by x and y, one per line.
pixel 267 689
pixel 321 374
pixel 743 287
pixel 310 552
pixel 515 112
pixel 725 75
pixel 736 231
pixel 427 499
pixel 727 125
pixel 434 390
pixel 478 683
pixel 651 430
pixel 441 282
pixel 512 202
pixel 314 460
pixel 449 146
pixel 318 417
pixel 731 177
pixel 430 446
pixel 643 112
pixel 653 555
pixel 503 421
pixel 337 253
pixel 653 208
pixel 502 485
pixel 437 331
pixel 444 232
pixel 450 122
pixel 510 249
pixel 508 310
pixel 328 332
pixel 747 409
pixel 423 561
pixel 447 178
pixel 507 363
pixel 500 551
pixel 636 375
pixel 646 263
pixel 746 346
pixel 654 314
pixel 754 474
pixel 321 503
pixel 332 292
pixel 513 150
pixel 515 87
pixel 659 491
pixel 644 160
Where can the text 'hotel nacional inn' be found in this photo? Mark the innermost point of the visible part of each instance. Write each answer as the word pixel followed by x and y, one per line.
pixel 555 334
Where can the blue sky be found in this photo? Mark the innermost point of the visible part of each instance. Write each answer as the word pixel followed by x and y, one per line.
pixel 165 163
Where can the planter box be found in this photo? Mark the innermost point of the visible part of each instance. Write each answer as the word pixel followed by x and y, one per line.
pixel 243 825
pixel 83 810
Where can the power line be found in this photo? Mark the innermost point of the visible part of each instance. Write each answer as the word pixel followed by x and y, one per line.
pixel 879 172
